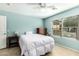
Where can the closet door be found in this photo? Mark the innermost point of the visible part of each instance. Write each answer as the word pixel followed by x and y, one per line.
pixel 2 32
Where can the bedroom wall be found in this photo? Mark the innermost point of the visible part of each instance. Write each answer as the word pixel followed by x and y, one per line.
pixel 64 41
pixel 21 23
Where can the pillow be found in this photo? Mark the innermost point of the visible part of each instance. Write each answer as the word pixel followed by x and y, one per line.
pixel 30 32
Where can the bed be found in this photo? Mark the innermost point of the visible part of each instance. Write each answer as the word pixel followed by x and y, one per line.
pixel 35 44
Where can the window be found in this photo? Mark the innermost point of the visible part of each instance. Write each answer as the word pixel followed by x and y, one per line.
pixel 67 27
pixel 57 27
pixel 70 25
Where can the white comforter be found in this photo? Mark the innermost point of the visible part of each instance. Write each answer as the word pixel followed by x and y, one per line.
pixel 35 44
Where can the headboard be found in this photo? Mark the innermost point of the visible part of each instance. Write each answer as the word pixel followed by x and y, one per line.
pixel 42 31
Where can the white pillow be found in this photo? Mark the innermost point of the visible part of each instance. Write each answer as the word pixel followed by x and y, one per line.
pixel 30 32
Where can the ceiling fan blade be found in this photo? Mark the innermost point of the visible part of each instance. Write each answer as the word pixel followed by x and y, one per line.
pixel 8 4
pixel 52 7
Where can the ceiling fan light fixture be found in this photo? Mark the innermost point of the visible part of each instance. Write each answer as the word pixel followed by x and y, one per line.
pixel 54 8
pixel 42 5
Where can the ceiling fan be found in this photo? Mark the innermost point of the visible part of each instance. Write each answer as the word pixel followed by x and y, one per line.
pixel 44 5
pixel 40 5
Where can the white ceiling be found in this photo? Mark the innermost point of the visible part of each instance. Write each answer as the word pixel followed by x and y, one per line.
pixel 34 10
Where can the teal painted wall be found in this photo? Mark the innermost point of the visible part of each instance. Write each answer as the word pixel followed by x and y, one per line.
pixel 68 42
pixel 64 41
pixel 21 23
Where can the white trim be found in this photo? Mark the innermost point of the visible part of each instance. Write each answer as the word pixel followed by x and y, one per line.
pixel 51 28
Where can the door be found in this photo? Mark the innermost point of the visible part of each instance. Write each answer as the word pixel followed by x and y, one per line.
pixel 2 32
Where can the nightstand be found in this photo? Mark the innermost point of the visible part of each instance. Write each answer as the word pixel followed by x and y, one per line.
pixel 12 41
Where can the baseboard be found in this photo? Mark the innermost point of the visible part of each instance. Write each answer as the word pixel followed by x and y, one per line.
pixel 67 47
